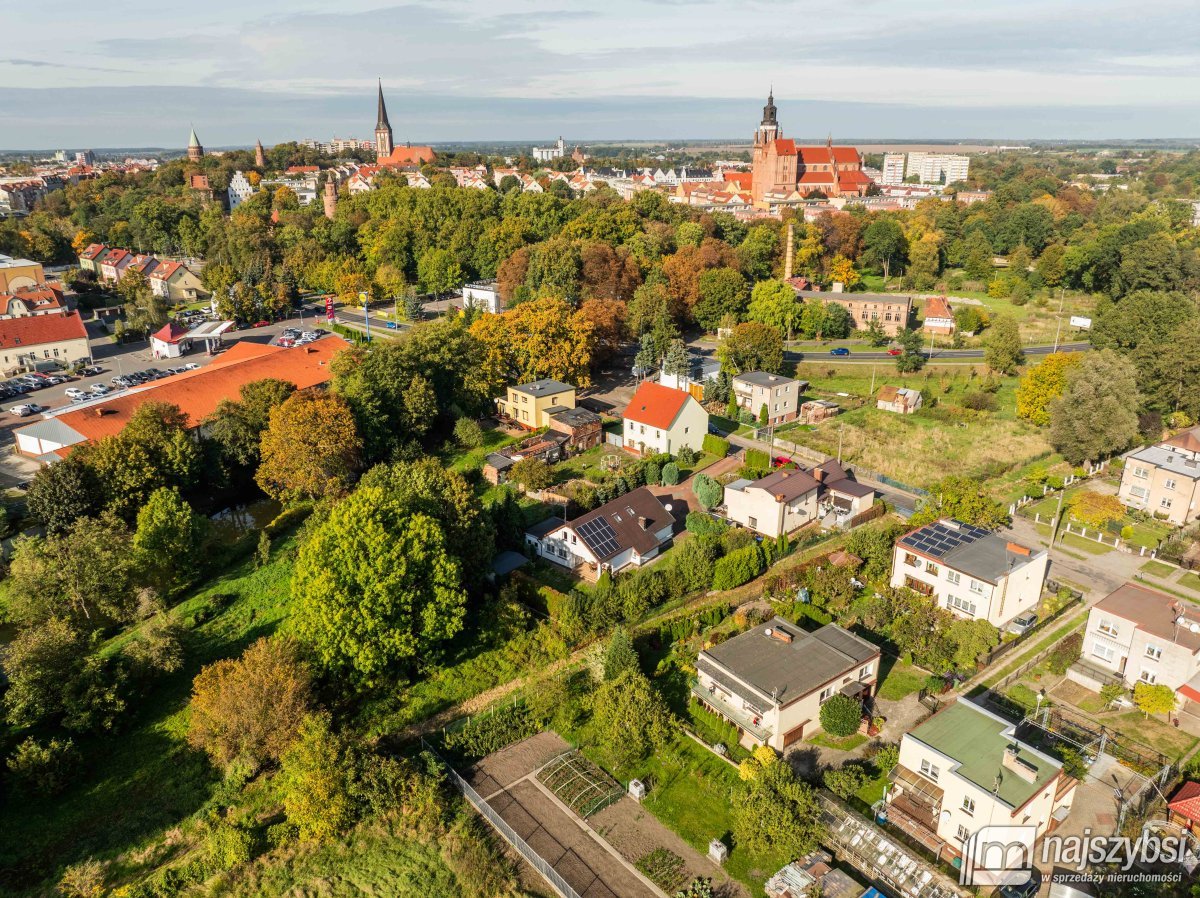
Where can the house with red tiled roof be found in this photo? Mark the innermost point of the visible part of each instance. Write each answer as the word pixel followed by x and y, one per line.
pixel 144 264
pixel 43 299
pixel 660 420
pixel 113 265
pixel 176 283
pixel 90 258
pixel 196 393
pixel 939 316
pixel 1184 807
pixel 43 341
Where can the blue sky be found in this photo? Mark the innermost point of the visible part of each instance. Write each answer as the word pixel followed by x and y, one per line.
pixel 530 69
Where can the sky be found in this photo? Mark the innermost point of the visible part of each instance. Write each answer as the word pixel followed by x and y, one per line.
pixel 463 70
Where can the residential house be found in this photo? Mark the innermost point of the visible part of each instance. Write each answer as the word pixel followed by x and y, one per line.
pixel 901 400
pixel 890 312
pixel 176 283
pixel 771 681
pixel 114 263
pixel 1164 479
pixel 966 768
pixel 45 299
pixel 145 265
pixel 197 393
pixel 787 500
pixel 170 341
pixel 701 370
pixel 1184 807
pixel 483 295
pixel 815 411
pixel 16 274
pixel 661 420
pixel 531 405
pixel 34 342
pixel 939 316
pixel 548 447
pixel 583 428
pixel 91 257
pixel 780 395
pixel 972 572
pixel 629 531
pixel 1143 636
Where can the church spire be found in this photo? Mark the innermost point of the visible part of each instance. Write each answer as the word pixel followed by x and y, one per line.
pixel 383 128
pixel 381 118
pixel 769 110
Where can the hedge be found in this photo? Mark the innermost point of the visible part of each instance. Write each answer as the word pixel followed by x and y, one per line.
pixel 738 567
pixel 714 445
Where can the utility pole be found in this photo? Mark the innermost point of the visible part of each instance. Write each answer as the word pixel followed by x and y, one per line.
pixel 872 393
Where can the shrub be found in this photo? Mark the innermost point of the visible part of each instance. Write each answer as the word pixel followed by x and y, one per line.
pixel 757 460
pixel 887 757
pixel 82 880
pixel 715 445
pixel 686 456
pixel 844 781
pixel 228 846
pixel 702 524
pixel 468 433
pixel 662 867
pixel 738 567
pixel 980 401
pixel 653 472
pixel 708 492
pixel 1065 654
pixel 841 715
pixel 670 474
pixel 43 768
pixel 487 733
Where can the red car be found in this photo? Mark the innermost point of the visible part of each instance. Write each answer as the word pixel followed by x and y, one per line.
pixel 261 324
pixel 894 351
pixel 781 460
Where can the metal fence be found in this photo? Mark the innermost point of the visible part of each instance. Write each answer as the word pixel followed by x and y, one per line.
pixel 1004 648
pixel 498 823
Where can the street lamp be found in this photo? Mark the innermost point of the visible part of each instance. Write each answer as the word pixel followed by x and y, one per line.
pixel 366 313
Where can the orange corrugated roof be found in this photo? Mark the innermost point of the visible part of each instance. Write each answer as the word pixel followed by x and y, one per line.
pixel 1186 802
pixel 17 333
pixel 937 307
pixel 199 392
pixel 655 405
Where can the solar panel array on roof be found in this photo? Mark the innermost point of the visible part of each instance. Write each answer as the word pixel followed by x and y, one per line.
pixel 939 538
pixel 599 536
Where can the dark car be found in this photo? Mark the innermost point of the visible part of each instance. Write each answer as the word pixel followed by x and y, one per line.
pixel 839 350
pixel 1024 890
pixel 90 371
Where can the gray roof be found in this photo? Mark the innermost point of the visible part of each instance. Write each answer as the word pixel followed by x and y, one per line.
pixel 787 670
pixel 498 461
pixel 54 431
pixel 576 417
pixel 544 387
pixel 972 550
pixel 764 379
pixel 543 527
pixel 1175 462
pixel 507 562
pixel 855 297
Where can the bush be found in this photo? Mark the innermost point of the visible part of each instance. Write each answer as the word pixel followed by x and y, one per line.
pixel 738 567
pixel 653 472
pixel 686 456
pixel 844 781
pixel 228 846
pixel 1065 654
pixel 715 445
pixel 468 433
pixel 703 524
pixel 887 757
pixel 980 401
pixel 757 460
pixel 43 768
pixel 708 492
pixel 487 733
pixel 670 474
pixel 841 715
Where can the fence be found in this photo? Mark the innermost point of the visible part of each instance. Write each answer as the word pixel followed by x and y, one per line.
pixel 1047 490
pixel 1005 647
pixel 539 863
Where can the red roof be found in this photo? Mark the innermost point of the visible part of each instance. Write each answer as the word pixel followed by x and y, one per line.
pixel 93 250
pixel 937 307
pixel 655 405
pixel 402 156
pixel 38 329
pixel 785 146
pixel 820 155
pixel 743 179
pixel 171 332
pixel 164 270
pixel 198 393
pixel 1186 801
pixel 816 177
pixel 116 257
pixel 39 298
pixel 301 169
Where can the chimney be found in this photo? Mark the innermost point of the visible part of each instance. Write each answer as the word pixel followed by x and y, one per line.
pixel 781 635
pixel 1018 549
pixel 642 522
pixel 819 473
pixel 1022 768
pixel 787 259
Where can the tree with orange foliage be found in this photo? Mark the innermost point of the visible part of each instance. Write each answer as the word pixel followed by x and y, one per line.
pixel 684 268
pixel 310 449
pixel 543 337
pixel 607 317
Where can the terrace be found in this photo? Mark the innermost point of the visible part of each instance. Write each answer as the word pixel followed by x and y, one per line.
pixel 740 718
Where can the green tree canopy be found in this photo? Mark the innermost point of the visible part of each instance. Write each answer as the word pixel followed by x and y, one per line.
pixel 1097 414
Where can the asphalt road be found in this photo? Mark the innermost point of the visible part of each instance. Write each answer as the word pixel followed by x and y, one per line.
pixel 793 355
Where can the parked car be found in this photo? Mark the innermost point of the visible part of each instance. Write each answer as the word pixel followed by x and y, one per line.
pixel 839 350
pixel 263 323
pixel 1022 623
pixel 1027 889
pixel 391 325
pixel 90 371
pixel 24 411
pixel 894 351
pixel 54 380
pixel 76 394
pixel 101 389
pixel 192 366
pixel 781 460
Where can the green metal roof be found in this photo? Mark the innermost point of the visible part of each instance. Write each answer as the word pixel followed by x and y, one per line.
pixel 977 739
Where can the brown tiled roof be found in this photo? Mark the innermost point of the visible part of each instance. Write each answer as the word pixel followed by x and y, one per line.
pixel 1155 613
pixel 1188 440
pixel 622 516
pixel 937 307
pixel 37 329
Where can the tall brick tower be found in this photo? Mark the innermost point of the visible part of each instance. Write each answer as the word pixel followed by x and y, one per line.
pixel 260 156
pixel 330 197
pixel 195 152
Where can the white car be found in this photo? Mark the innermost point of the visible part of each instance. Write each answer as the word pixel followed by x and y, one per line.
pixel 76 394
pixel 101 389
pixel 191 366
pixel 24 411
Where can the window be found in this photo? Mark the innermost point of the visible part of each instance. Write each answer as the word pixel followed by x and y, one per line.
pixel 1103 651
pixel 1141 472
pixel 931 568
pixel 1107 627
pixel 753 523
pixel 968 807
pixel 963 605
pixel 977 587
pixel 929 770
pixel 1148 676
pixel 1168 484
pixel 963 833
pixel 954 577
pixel 912 560
pixel 825 694
pixel 866 671
pixel 1165 503
pixel 1139 492
pixel 1153 651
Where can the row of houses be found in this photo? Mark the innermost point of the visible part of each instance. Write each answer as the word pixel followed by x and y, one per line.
pixel 173 281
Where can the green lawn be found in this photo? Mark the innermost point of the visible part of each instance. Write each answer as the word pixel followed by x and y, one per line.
pixel 849 743
pixel 901 680
pixel 1158 569
pixel 472 459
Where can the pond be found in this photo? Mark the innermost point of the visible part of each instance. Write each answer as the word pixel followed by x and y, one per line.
pixel 229 524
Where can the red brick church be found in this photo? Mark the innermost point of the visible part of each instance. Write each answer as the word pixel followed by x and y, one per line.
pixel 391 156
pixel 781 168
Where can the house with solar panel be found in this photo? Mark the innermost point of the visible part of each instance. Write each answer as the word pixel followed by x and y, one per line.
pixel 629 531
pixel 972 572
pixel 771 681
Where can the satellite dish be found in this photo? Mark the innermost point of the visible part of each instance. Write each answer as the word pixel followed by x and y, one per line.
pixel 668 508
pixel 768 631
pixel 945 816
pixel 1194 627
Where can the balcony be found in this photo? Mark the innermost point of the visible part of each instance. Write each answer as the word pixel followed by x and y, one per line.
pixel 740 718
pixel 920 586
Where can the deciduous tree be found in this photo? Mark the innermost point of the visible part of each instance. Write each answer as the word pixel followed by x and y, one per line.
pixel 1002 345
pixel 1097 414
pixel 1042 384
pixel 310 448
pixel 752 347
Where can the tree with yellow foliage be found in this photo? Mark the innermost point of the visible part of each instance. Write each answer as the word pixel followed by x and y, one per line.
pixel 1042 384
pixel 842 270
pixel 544 337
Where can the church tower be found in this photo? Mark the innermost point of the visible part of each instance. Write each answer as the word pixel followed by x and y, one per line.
pixel 383 129
pixel 768 128
pixel 260 156
pixel 195 152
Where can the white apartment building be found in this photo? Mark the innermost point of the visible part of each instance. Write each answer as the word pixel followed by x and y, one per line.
pixel 545 154
pixel 240 190
pixel 930 168
pixel 893 169
pixel 972 572
pixel 966 768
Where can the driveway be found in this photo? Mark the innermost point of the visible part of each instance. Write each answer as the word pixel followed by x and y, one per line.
pixel 1098 575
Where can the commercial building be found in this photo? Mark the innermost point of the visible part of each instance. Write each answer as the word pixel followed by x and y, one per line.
pixel 661 420
pixel 483 295
pixel 546 154
pixel 890 312
pixel 966 768
pixel 16 274
pixel 771 681
pixel 531 405
pixel 780 395
pixel 972 572
pixel 38 342
pixel 1164 479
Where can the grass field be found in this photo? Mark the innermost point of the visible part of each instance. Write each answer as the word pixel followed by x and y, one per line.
pixel 921 448
pixel 901 680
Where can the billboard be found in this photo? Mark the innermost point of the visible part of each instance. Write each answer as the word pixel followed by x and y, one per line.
pixel 329 308
pixel 1081 322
